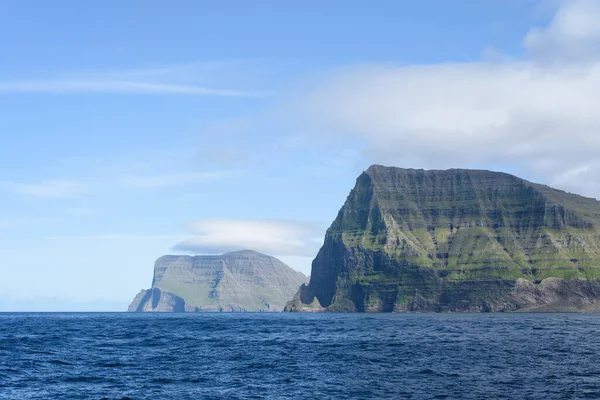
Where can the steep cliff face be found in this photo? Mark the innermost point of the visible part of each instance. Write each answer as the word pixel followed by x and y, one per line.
pixel 456 240
pixel 237 281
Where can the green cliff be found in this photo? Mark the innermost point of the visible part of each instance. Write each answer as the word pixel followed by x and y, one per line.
pixel 456 240
pixel 237 281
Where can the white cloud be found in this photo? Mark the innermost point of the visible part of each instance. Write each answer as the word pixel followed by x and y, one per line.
pixel 573 34
pixel 164 180
pixel 58 189
pixel 116 86
pixel 219 73
pixel 273 237
pixel 536 118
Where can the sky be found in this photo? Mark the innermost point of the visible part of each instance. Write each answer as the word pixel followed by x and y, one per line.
pixel 130 130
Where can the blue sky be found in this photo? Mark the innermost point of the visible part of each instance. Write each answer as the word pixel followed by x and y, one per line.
pixel 134 129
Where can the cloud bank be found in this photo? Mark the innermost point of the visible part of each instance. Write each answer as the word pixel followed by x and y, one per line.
pixel 573 35
pixel 536 116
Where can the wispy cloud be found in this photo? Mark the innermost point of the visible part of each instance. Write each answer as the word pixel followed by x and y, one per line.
pixel 231 72
pixel 58 189
pixel 164 180
pixel 20 221
pixel 117 87
pixel 227 79
pixel 116 236
pixel 221 156
pixel 274 237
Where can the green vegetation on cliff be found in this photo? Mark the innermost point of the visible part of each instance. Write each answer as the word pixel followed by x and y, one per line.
pixel 456 240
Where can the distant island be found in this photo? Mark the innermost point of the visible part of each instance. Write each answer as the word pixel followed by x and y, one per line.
pixel 237 281
pixel 456 240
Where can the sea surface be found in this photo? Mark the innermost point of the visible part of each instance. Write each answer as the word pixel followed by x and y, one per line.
pixel 299 356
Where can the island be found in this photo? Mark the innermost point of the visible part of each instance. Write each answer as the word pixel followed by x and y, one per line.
pixel 238 281
pixel 457 240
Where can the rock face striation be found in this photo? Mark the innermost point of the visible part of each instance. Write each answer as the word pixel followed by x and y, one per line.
pixel 238 281
pixel 456 240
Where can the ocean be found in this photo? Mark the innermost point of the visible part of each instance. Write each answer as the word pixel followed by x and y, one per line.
pixel 299 356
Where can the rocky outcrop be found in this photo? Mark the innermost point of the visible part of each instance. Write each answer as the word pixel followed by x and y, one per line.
pixel 154 300
pixel 456 240
pixel 554 295
pixel 237 281
pixel 310 303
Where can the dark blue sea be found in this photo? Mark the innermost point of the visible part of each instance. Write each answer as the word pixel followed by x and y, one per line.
pixel 299 356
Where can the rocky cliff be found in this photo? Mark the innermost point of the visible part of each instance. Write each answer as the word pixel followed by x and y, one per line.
pixel 237 281
pixel 456 240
